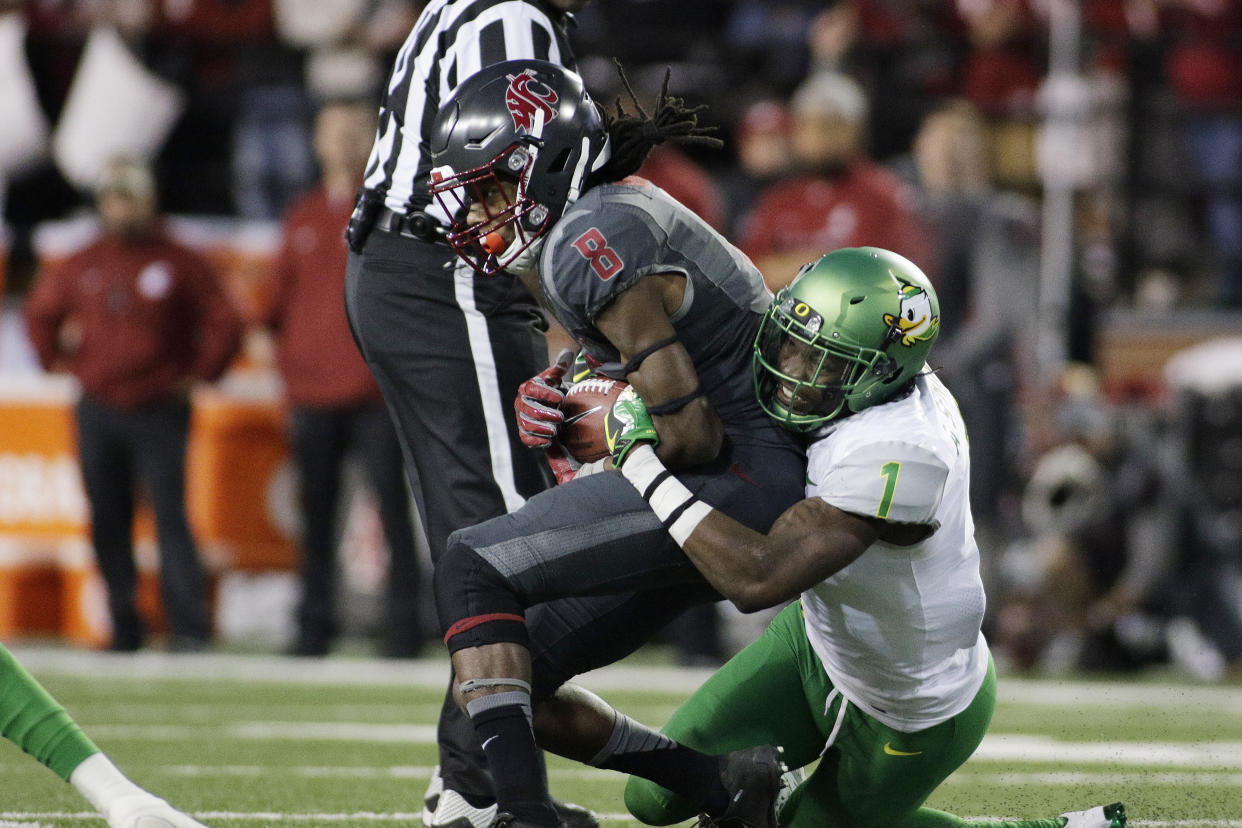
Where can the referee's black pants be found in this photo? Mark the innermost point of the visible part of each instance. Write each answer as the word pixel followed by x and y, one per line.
pixel 119 448
pixel 322 436
pixel 448 350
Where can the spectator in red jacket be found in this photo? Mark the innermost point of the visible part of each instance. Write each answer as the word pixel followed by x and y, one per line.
pixel 335 405
pixel 137 318
pixel 761 152
pixel 841 198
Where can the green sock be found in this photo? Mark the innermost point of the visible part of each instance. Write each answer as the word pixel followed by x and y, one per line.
pixel 35 722
pixel 931 818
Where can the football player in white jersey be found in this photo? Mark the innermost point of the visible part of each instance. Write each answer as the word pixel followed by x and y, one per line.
pixel 880 669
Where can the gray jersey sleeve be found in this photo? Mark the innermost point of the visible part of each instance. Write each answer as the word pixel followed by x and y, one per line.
pixel 595 253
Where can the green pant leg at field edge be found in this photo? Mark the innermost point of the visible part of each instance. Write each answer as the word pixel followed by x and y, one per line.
pixel 35 722
pixel 776 692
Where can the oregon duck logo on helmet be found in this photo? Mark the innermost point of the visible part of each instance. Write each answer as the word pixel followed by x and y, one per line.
pixel 916 321
pixel 851 331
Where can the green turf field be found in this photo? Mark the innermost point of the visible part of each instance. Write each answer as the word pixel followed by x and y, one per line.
pixel 248 741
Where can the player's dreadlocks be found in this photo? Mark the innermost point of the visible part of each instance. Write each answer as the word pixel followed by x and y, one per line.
pixel 633 136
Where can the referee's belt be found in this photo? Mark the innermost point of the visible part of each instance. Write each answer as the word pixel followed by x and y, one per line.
pixel 416 225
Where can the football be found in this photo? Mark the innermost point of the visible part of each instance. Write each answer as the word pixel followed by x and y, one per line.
pixel 586 406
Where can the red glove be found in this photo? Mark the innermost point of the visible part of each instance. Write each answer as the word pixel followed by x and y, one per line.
pixel 566 468
pixel 538 403
pixel 563 466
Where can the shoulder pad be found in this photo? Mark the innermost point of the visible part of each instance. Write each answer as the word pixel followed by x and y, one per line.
pixel 891 480
pixel 593 255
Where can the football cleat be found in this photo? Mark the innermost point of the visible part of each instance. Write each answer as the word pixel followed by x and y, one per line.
pixel 752 778
pixel 147 811
pixel 1101 816
pixel 446 808
pixel 789 781
pixel 574 816
pixel 453 811
pixel 432 797
pixel 504 819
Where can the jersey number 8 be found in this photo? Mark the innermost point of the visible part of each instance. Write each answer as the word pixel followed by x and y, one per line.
pixel 605 261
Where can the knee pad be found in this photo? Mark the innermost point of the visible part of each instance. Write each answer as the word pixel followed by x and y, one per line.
pixel 475 604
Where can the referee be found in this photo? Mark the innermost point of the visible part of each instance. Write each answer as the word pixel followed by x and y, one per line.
pixel 449 349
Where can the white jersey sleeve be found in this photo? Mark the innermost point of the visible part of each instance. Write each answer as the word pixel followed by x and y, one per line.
pixel 891 480
pixel 898 629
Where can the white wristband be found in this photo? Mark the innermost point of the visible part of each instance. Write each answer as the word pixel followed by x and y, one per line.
pixel 688 521
pixel 97 779
pixel 675 505
pixel 588 469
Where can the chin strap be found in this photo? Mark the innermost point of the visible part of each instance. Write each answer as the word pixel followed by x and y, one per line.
pixel 526 260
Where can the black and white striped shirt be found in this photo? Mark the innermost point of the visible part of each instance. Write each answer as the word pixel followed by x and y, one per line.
pixel 452 40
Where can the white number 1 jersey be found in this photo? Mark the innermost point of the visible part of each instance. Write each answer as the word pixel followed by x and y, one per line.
pixel 898 630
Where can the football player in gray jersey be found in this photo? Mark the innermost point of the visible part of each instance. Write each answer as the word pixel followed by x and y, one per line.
pixel 539 184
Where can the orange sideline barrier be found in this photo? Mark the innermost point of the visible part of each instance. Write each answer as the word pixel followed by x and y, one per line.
pixel 239 497
pixel 240 490
pixel 31 597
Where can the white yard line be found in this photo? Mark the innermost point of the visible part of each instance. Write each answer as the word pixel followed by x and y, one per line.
pixel 273 731
pixel 254 668
pixel 433 672
pixel 266 816
pixel 1113 694
pixel 995 747
pixel 210 711
pixel 966 776
pixel 369 816
pixel 352 772
pixel 307 771
pixel 1011 747
pixel 1203 779
pixel 333 732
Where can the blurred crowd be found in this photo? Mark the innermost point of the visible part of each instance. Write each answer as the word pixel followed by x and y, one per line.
pixel 1156 94
pixel 1112 527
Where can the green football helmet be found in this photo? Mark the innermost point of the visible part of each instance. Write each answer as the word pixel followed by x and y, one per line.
pixel 849 332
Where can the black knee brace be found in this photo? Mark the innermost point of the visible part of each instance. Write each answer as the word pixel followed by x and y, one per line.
pixel 475 603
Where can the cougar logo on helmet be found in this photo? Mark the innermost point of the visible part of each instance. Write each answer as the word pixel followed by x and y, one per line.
pixel 527 96
pixel 530 123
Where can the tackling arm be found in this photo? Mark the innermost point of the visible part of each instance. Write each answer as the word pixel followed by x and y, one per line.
pixel 809 542
pixel 637 320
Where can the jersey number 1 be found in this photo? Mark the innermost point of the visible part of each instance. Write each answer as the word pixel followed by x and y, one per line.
pixel 889 472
